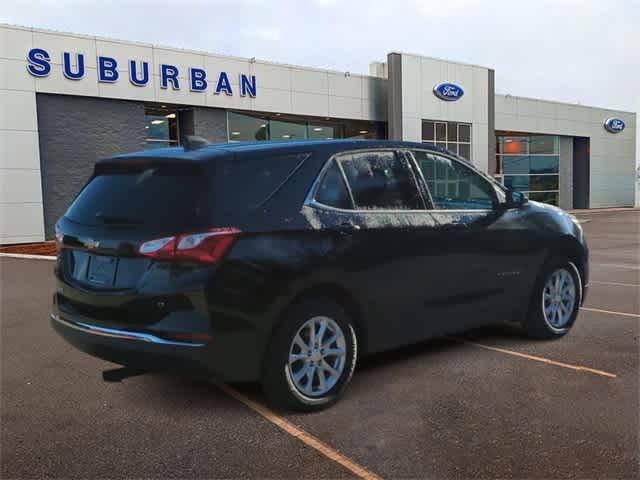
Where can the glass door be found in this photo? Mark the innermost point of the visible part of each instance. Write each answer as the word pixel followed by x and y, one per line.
pixel 530 164
pixel 161 128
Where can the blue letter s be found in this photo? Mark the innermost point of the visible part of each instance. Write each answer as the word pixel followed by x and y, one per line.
pixel 39 65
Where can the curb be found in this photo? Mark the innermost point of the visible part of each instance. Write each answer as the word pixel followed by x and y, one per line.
pixel 27 256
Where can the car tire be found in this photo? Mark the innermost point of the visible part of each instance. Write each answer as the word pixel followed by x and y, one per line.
pixel 555 301
pixel 303 378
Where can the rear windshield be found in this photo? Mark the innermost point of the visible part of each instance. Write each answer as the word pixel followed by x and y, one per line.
pixel 150 198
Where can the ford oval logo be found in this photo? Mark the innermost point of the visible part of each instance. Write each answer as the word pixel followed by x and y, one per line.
pixel 448 91
pixel 614 124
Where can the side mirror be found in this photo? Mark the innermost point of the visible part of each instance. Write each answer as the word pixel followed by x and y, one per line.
pixel 515 199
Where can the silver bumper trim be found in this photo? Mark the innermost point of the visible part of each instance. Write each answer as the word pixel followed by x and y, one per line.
pixel 124 334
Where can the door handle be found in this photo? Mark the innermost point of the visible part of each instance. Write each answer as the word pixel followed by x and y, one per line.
pixel 347 228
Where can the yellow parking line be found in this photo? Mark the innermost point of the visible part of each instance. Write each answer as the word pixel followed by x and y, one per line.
pixel 616 265
pixel 611 312
pixel 537 359
pixel 617 284
pixel 301 435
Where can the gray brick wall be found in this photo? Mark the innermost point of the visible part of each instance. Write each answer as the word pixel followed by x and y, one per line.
pixel 74 133
pixel 210 123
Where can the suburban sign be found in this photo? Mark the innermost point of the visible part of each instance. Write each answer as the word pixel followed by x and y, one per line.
pixel 448 91
pixel 614 124
pixel 108 71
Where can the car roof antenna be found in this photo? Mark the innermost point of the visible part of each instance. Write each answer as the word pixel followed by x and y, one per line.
pixel 193 142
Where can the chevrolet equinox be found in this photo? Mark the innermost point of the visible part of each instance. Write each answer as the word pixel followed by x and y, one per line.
pixel 284 262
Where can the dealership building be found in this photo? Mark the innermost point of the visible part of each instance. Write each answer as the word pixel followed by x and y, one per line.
pixel 69 100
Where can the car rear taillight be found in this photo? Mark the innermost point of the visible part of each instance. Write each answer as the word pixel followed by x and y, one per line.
pixel 209 246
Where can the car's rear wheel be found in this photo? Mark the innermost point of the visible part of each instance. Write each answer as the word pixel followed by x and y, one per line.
pixel 555 301
pixel 311 357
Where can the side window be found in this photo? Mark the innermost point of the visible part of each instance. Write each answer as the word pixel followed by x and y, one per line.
pixel 452 185
pixel 381 180
pixel 332 190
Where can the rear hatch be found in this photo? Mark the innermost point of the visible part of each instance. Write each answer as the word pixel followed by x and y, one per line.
pixel 125 204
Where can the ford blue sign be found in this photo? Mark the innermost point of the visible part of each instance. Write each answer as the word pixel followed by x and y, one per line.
pixel 448 91
pixel 614 125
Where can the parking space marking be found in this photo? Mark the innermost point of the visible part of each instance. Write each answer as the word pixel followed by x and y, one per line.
pixel 526 356
pixel 301 435
pixel 627 258
pixel 616 265
pixel 617 284
pixel 611 312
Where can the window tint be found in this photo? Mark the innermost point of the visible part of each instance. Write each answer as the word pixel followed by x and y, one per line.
pixel 453 185
pixel 381 180
pixel 151 197
pixel 266 175
pixel 332 190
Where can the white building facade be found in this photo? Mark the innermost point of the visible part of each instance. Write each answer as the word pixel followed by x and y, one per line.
pixel 68 100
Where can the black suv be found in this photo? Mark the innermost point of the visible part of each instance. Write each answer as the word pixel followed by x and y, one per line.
pixel 285 262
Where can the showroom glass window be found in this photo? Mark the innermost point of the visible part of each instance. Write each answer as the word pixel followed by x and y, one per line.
pixel 530 164
pixel 246 128
pixel 161 128
pixel 454 136
pixel 380 180
pixel 251 127
pixel 452 185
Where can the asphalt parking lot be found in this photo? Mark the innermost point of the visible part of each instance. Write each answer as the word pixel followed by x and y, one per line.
pixel 487 404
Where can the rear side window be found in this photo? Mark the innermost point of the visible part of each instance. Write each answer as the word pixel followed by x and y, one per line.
pixel 250 180
pixel 152 198
pixel 381 180
pixel 332 190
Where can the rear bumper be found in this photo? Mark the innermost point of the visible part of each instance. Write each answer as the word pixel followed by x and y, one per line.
pixel 220 357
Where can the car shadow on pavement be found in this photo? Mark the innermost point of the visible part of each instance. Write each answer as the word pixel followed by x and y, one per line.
pixel 511 333
pixel 402 354
pixel 172 390
pixel 177 391
pixel 506 331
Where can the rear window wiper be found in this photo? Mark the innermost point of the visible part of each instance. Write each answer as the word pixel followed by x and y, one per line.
pixel 117 220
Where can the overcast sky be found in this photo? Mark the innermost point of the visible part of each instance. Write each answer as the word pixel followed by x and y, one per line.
pixel 582 51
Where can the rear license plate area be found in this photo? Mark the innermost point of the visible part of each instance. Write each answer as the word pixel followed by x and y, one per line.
pixel 102 270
